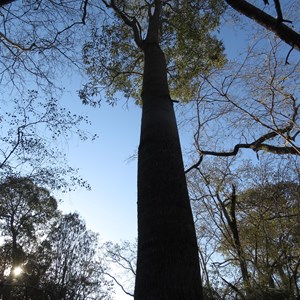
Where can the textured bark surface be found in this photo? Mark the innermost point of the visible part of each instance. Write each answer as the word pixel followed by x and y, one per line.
pixel 168 264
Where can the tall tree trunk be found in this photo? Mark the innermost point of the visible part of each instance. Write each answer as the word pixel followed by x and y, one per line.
pixel 167 263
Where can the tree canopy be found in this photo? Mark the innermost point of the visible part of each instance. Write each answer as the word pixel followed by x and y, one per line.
pixel 185 35
pixel 55 255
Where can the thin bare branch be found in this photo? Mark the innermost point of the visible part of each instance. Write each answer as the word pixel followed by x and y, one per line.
pixel 118 283
pixel 257 145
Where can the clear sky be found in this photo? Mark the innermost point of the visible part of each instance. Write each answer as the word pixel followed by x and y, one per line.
pixel 110 207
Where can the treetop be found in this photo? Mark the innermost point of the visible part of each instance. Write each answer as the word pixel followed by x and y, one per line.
pixel 184 30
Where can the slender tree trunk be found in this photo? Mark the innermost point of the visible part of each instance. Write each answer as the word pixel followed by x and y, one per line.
pixel 230 217
pixel 167 263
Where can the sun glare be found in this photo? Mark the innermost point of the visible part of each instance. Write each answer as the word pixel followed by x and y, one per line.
pixel 17 271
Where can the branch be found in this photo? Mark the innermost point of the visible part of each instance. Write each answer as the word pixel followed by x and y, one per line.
pixel 18 142
pixel 44 44
pixel 154 23
pixel 85 3
pixel 116 260
pixel 118 283
pixel 16 45
pixel 257 145
pixel 234 288
pixel 279 12
pixel 284 32
pixel 195 166
pixel 133 24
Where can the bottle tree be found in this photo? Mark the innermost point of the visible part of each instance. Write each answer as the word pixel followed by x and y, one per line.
pixel 158 49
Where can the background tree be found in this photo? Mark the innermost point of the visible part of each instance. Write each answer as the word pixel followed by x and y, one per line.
pixel 253 236
pixel 24 209
pixel 269 227
pixel 57 257
pixel 75 271
pixel 32 130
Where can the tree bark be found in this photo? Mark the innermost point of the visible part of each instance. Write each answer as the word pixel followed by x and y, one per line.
pixel 167 262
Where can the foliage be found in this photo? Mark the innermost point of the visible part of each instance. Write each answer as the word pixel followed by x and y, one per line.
pixel 114 54
pixel 32 131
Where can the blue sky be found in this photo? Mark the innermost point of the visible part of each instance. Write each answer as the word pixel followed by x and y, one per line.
pixel 110 207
